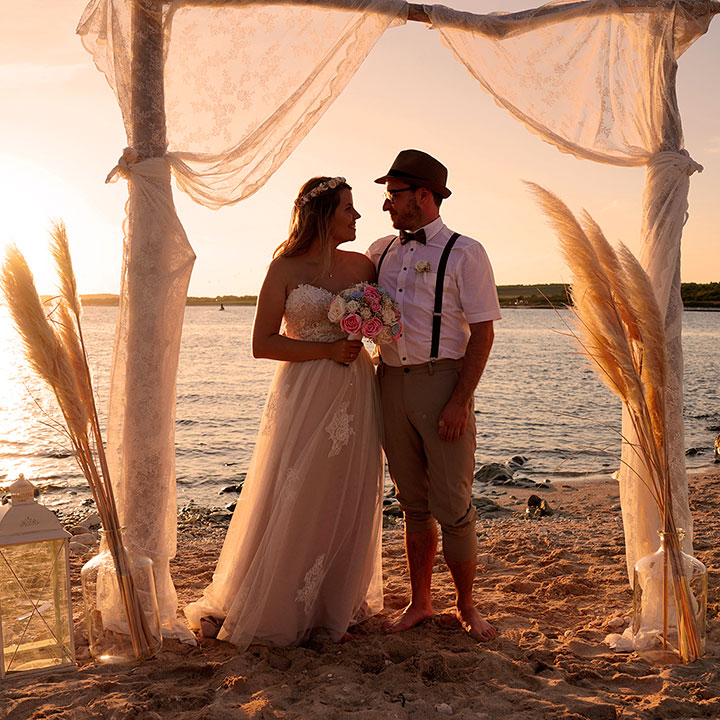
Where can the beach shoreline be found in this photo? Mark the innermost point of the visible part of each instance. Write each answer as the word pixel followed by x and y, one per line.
pixel 554 587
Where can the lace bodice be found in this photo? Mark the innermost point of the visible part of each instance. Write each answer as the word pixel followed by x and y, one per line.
pixel 306 317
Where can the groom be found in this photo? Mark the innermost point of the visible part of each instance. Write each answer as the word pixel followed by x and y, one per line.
pixel 444 285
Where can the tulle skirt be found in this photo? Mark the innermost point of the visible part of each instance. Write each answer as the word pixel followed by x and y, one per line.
pixel 303 550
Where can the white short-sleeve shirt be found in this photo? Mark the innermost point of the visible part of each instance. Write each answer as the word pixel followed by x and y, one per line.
pixel 469 293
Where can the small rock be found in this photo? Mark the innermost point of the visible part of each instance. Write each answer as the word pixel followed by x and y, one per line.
pixel 444 708
pixel 518 460
pixel 493 473
pixel 537 507
pixel 91 520
pixel 220 516
pixel 231 489
pixel 230 507
pixel 615 623
pixel 78 548
pixel 485 505
pixel 85 539
pixel 693 451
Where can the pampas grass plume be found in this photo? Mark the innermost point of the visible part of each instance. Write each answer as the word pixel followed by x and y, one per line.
pixel 60 250
pixel 43 347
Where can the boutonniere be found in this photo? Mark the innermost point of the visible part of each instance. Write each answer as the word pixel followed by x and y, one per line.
pixel 422 267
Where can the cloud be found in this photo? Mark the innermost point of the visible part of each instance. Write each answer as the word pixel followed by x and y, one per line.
pixel 19 75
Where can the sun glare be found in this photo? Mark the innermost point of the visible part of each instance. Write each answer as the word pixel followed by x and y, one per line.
pixel 30 197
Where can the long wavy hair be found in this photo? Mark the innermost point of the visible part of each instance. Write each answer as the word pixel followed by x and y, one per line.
pixel 312 220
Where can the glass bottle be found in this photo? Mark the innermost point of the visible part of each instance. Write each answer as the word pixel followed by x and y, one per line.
pixel 669 603
pixel 121 607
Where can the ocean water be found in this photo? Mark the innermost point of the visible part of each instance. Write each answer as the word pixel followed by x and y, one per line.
pixel 537 398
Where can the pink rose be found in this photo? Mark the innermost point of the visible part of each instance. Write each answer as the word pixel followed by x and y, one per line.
pixel 351 323
pixel 372 293
pixel 375 306
pixel 372 327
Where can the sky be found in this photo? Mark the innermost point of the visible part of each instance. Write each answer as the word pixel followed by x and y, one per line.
pixel 61 132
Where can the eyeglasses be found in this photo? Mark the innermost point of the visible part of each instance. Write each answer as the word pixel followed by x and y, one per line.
pixel 390 194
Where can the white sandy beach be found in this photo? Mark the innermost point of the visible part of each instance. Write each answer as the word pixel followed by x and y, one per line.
pixel 554 587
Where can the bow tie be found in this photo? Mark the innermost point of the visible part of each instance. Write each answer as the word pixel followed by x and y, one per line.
pixel 418 236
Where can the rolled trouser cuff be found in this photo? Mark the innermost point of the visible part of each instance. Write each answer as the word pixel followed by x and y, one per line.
pixel 460 541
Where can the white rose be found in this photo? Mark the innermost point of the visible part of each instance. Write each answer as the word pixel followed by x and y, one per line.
pixel 388 317
pixel 352 306
pixel 336 309
pixel 365 313
pixel 384 336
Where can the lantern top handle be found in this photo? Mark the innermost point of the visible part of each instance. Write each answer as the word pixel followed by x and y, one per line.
pixel 22 490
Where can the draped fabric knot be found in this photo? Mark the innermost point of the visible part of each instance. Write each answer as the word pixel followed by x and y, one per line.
pixel 679 160
pixel 129 157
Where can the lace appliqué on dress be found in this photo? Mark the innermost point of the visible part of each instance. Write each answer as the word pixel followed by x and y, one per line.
pixel 290 489
pixel 308 592
pixel 271 412
pixel 340 429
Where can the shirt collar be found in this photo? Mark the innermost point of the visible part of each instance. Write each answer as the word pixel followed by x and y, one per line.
pixel 433 228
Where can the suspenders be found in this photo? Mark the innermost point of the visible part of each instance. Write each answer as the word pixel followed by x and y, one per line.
pixel 439 284
pixel 437 311
pixel 382 257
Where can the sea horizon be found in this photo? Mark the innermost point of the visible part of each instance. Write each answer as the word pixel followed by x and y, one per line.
pixel 537 399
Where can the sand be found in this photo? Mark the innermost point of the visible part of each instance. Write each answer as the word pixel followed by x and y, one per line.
pixel 554 587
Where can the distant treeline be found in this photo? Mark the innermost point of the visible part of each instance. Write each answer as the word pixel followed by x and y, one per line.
pixel 694 295
pixel 701 295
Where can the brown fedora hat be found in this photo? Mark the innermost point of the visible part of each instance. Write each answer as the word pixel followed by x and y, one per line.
pixel 418 168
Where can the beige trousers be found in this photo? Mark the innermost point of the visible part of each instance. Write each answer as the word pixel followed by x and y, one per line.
pixel 433 477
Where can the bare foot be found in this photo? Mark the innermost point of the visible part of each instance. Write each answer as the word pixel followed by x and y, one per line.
pixel 410 617
pixel 474 625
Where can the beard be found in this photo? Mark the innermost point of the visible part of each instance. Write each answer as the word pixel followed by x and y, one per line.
pixel 409 218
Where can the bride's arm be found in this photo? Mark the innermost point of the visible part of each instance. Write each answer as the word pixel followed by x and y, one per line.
pixel 267 342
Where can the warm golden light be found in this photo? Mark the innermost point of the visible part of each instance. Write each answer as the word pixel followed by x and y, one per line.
pixel 30 198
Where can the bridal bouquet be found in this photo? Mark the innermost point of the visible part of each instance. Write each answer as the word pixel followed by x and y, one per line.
pixel 366 310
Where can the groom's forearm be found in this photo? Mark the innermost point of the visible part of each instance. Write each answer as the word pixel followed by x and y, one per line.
pixel 476 355
pixel 453 418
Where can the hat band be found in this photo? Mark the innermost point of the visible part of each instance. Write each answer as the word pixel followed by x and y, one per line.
pixel 399 173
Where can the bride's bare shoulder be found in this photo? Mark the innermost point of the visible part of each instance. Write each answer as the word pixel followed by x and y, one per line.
pixel 360 264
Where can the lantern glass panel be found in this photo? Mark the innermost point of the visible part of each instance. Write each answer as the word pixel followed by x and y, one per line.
pixel 34 606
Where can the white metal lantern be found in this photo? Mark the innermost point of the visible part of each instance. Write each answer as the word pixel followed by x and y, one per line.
pixel 36 630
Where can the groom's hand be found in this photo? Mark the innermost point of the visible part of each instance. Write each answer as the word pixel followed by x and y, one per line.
pixel 452 420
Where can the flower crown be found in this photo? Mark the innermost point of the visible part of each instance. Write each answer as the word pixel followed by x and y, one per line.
pixel 318 190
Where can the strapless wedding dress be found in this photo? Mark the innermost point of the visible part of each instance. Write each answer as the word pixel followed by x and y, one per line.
pixel 302 552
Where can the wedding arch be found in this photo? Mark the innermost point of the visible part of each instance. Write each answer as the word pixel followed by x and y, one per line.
pixel 218 93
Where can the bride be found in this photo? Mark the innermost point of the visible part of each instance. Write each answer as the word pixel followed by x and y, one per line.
pixel 302 553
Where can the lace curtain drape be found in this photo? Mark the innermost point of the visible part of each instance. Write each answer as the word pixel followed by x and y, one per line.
pixel 244 83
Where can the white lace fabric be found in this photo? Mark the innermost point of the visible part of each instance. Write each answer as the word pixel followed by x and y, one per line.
pixel 306 319
pixel 244 83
